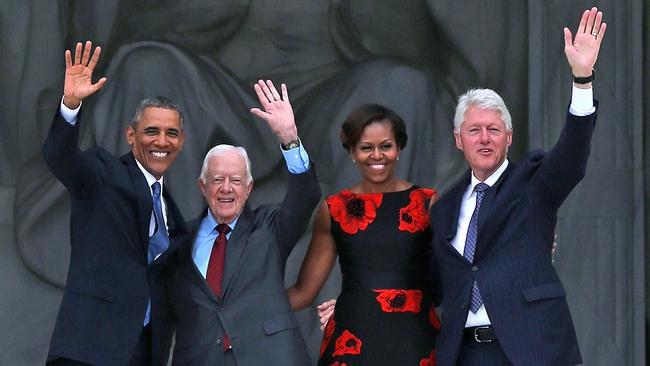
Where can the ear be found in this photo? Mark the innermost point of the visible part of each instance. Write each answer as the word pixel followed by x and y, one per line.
pixel 459 143
pixel 509 138
pixel 130 135
pixel 199 182
pixel 250 187
pixel 181 138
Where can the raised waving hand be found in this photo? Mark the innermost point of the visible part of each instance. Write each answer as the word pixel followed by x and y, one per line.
pixel 276 111
pixel 582 50
pixel 78 74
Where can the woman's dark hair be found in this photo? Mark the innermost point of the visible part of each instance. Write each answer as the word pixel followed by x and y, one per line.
pixel 366 114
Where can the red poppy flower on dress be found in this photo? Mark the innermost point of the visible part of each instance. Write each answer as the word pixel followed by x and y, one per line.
pixel 433 318
pixel 347 344
pixel 399 301
pixel 429 361
pixel 329 330
pixel 415 216
pixel 354 211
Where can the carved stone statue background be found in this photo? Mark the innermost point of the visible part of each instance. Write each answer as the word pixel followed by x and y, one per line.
pixel 413 56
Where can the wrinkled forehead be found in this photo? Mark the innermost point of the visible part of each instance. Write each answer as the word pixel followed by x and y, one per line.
pixel 483 116
pixel 228 163
pixel 159 117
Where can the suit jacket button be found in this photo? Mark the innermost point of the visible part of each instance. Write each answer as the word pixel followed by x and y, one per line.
pixel 219 341
pixel 474 269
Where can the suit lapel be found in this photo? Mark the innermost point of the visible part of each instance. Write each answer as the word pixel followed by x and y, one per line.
pixel 455 197
pixel 236 244
pixel 145 204
pixel 188 267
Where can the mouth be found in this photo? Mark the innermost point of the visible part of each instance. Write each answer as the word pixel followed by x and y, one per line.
pixel 226 200
pixel 377 166
pixel 485 151
pixel 159 154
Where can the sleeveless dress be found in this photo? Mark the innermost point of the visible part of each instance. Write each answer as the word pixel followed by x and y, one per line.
pixel 384 314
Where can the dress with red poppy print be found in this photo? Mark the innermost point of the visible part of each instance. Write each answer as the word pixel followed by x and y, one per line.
pixel 384 314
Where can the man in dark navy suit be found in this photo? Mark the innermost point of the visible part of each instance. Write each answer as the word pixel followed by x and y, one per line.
pixel 503 302
pixel 121 220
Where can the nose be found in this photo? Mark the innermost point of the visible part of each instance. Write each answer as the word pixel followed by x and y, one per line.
pixel 161 139
pixel 226 186
pixel 376 154
pixel 484 136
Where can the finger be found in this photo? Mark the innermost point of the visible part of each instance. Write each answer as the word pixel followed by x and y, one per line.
pixel 597 22
pixel 264 101
pixel 266 90
pixel 601 33
pixel 259 113
pixel 274 91
pixel 86 54
pixel 285 93
pixel 99 84
pixel 582 28
pixel 568 38
pixel 68 58
pixel 95 58
pixel 77 53
pixel 590 20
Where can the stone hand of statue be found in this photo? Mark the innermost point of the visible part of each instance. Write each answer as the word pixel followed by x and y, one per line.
pixel 276 111
pixel 78 74
pixel 582 51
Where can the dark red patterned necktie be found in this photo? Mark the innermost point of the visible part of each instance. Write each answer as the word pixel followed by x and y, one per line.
pixel 217 257
pixel 215 267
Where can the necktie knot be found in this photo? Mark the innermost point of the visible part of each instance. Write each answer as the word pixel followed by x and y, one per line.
pixel 155 189
pixel 223 229
pixel 481 187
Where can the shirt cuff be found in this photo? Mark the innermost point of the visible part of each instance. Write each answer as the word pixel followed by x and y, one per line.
pixel 70 115
pixel 297 159
pixel 582 102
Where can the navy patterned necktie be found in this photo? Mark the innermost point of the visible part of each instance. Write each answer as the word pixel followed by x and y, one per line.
pixel 159 241
pixel 470 244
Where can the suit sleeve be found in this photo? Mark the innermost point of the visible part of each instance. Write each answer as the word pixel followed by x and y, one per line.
pixel 64 158
pixel 566 163
pixel 293 216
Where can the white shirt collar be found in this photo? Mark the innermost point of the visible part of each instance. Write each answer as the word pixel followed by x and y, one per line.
pixel 493 178
pixel 149 177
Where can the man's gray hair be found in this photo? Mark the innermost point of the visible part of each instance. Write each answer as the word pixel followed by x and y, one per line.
pixel 222 150
pixel 484 99
pixel 155 102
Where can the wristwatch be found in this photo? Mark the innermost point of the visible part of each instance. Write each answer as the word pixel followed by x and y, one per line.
pixel 291 145
pixel 586 79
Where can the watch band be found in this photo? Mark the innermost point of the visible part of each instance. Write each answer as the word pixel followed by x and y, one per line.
pixel 291 145
pixel 586 79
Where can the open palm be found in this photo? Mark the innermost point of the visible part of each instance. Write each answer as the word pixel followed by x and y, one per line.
pixel 78 74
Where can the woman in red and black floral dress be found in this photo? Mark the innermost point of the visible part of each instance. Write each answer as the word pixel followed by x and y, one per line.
pixel 380 230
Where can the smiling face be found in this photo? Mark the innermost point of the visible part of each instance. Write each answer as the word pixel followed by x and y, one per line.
pixel 484 139
pixel 376 153
pixel 225 186
pixel 156 139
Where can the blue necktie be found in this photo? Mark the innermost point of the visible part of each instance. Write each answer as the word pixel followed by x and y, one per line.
pixel 470 244
pixel 159 241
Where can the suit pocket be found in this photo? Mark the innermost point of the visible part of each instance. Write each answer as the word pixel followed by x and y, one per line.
pixel 98 289
pixel 546 291
pixel 279 323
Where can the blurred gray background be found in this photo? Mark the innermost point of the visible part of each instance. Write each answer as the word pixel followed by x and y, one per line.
pixel 415 56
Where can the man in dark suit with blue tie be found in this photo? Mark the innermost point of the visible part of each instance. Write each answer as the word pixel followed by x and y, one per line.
pixel 224 284
pixel 503 303
pixel 121 220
